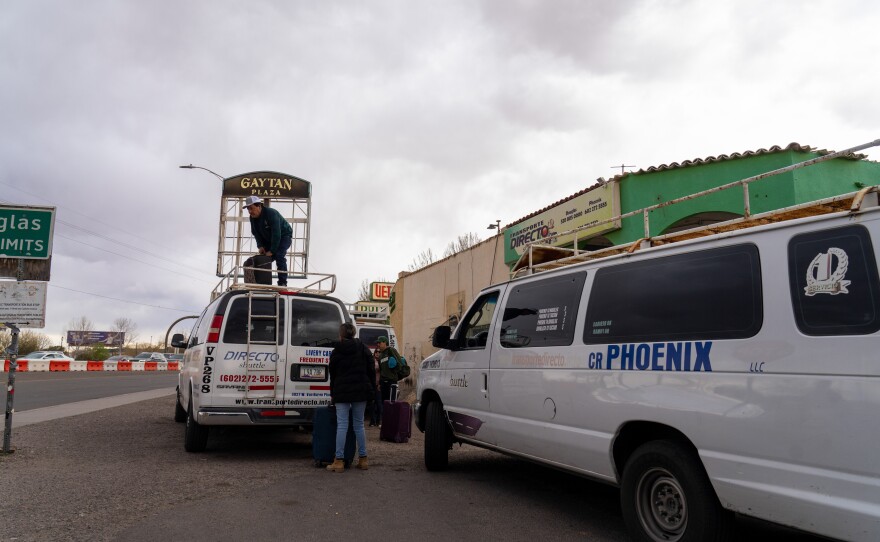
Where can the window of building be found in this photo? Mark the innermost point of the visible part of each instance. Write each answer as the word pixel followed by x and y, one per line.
pixel 834 282
pixel 709 294
pixel 543 312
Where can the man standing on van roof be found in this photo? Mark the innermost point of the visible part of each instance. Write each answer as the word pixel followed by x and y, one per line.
pixel 388 360
pixel 272 232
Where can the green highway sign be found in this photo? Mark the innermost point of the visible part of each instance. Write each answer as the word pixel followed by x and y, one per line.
pixel 26 232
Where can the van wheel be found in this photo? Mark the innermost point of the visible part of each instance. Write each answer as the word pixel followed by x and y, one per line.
pixel 437 438
pixel 666 496
pixel 179 412
pixel 196 436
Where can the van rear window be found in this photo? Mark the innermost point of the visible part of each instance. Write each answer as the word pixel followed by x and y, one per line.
pixel 710 294
pixel 314 323
pixel 834 282
pixel 261 329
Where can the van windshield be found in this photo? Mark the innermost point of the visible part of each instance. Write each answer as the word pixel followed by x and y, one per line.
pixel 368 336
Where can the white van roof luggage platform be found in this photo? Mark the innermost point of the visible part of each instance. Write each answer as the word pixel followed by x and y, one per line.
pixel 321 283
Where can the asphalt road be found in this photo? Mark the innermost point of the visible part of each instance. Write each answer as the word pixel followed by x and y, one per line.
pixel 43 389
pixel 122 474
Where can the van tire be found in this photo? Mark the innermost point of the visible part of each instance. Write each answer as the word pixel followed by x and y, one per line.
pixel 196 436
pixel 179 412
pixel 437 438
pixel 664 471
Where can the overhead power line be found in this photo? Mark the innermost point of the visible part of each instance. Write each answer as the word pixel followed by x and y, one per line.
pixel 121 300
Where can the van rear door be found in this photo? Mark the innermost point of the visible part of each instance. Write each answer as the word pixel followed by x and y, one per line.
pixel 314 326
pixel 249 367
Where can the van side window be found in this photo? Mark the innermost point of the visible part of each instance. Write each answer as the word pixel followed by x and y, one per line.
pixel 314 323
pixel 834 282
pixel 199 332
pixel 709 294
pixel 543 312
pixel 474 331
pixel 262 329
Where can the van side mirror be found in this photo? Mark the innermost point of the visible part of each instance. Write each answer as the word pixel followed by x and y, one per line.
pixel 177 340
pixel 440 339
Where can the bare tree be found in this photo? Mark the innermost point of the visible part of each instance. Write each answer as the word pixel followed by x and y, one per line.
pixel 31 341
pixel 422 260
pixel 81 325
pixel 463 242
pixel 364 291
pixel 127 326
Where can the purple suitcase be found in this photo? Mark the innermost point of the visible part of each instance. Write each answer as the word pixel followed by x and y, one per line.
pixel 396 420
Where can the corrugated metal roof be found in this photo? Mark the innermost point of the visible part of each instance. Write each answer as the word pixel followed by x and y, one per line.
pixel 793 147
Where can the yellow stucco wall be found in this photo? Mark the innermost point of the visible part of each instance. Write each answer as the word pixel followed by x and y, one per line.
pixel 427 298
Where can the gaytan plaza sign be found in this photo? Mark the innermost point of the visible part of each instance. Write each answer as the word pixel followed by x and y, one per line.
pixel 267 184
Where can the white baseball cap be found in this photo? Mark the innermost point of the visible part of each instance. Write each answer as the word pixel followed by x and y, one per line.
pixel 251 200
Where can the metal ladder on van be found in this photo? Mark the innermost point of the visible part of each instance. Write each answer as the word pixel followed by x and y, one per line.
pixel 257 373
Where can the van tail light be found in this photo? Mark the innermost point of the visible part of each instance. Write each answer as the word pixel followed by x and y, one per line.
pixel 214 330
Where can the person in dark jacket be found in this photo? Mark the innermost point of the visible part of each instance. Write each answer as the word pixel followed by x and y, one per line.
pixel 272 233
pixel 352 384
pixel 389 357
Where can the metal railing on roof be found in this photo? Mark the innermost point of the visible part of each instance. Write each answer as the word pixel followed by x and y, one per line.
pixel 313 283
pixel 526 260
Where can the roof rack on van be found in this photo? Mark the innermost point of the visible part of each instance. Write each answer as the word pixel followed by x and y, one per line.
pixel 540 256
pixel 380 316
pixel 321 283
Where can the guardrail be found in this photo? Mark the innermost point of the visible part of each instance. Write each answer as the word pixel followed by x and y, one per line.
pixel 36 365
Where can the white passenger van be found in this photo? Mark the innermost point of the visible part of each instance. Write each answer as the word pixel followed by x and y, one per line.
pixel 257 355
pixel 733 373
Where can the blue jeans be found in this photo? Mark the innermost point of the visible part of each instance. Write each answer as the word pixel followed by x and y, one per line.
pixel 357 413
pixel 280 259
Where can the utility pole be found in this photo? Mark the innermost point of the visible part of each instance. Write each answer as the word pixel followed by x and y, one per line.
pixel 10 388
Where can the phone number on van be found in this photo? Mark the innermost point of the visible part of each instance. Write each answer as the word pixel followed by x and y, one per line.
pixel 249 378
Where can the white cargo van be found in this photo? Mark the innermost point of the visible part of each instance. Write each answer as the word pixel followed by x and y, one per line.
pixel 257 355
pixel 732 373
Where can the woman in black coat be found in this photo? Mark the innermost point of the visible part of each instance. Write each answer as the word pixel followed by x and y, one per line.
pixel 352 384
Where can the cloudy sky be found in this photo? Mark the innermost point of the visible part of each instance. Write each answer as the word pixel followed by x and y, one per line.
pixel 415 122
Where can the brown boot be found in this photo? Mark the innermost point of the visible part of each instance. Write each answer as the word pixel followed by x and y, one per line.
pixel 363 464
pixel 338 465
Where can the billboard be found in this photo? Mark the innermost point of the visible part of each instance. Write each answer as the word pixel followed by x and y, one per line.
pixel 83 338
pixel 602 203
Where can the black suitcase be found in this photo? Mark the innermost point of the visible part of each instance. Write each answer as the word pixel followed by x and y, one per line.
pixel 324 438
pixel 396 419
pixel 252 276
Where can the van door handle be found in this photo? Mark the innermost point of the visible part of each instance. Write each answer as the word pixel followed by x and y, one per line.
pixel 485 382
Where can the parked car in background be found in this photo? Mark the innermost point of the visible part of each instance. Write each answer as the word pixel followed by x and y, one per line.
pixel 118 358
pixel 49 355
pixel 174 357
pixel 150 356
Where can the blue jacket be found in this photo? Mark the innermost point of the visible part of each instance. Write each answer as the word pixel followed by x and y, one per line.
pixel 269 228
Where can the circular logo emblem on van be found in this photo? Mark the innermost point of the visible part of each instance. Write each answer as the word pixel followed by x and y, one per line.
pixel 825 273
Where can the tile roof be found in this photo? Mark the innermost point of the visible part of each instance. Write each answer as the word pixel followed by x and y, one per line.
pixel 793 147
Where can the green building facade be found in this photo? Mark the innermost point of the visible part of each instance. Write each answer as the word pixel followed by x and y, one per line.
pixel 645 188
